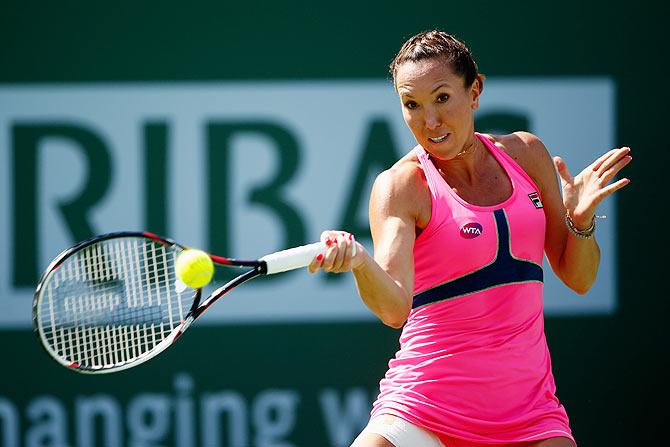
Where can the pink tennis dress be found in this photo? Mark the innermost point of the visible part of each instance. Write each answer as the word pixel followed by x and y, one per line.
pixel 473 363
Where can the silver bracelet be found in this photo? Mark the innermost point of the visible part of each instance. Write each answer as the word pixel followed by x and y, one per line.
pixel 584 234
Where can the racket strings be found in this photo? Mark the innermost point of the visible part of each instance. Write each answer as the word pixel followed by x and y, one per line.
pixel 112 302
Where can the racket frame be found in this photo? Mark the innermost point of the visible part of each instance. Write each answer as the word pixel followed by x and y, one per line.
pixel 258 268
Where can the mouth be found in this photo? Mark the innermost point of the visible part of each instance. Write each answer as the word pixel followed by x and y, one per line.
pixel 438 140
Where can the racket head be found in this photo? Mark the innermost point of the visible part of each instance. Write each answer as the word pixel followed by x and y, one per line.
pixel 112 302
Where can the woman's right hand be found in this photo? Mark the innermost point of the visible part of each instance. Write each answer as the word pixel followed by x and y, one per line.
pixel 342 253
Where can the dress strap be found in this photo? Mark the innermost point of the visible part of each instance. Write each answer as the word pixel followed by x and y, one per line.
pixel 514 171
pixel 433 177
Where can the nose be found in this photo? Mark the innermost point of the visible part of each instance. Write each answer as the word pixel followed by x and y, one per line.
pixel 432 119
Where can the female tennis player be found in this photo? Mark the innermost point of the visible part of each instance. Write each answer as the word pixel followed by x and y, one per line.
pixel 460 225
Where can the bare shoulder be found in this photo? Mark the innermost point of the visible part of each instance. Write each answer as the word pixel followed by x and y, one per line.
pixel 403 175
pixel 530 153
pixel 402 190
pixel 523 147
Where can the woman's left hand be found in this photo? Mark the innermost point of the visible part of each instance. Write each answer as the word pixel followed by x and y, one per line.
pixel 583 193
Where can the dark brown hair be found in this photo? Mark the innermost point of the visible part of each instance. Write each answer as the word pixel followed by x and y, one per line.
pixel 438 44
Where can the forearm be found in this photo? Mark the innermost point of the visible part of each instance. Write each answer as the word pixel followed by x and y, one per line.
pixel 383 295
pixel 579 263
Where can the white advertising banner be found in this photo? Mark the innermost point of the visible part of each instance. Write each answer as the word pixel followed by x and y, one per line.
pixel 249 168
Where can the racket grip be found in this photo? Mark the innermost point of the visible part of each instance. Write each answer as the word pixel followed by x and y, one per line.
pixel 291 259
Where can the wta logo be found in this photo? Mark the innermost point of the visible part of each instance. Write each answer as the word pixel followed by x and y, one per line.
pixel 471 230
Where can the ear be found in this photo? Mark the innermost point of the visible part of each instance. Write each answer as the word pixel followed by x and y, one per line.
pixel 475 91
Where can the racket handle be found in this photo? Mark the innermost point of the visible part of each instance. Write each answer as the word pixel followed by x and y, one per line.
pixel 291 259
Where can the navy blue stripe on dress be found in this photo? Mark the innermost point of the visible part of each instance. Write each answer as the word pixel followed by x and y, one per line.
pixel 505 269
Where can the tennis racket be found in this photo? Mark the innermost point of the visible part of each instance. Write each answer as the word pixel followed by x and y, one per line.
pixel 114 301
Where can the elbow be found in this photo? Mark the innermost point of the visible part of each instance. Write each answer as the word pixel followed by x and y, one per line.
pixel 397 318
pixel 395 324
pixel 579 275
pixel 581 288
pixel 580 281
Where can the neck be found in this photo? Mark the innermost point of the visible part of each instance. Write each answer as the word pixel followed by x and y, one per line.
pixel 468 148
pixel 464 164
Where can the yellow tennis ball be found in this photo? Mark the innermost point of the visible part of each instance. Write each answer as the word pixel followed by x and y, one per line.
pixel 194 268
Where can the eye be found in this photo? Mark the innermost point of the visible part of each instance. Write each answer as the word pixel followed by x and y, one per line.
pixel 443 97
pixel 411 105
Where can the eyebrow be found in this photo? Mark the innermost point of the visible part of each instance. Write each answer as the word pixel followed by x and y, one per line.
pixel 444 84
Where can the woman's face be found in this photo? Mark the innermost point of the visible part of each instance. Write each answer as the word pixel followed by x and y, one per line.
pixel 437 106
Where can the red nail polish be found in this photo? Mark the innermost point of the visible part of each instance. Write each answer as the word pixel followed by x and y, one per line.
pixel 320 257
pixel 328 242
pixel 335 241
pixel 351 237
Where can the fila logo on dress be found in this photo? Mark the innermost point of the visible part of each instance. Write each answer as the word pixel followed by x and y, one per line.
pixel 535 198
pixel 471 230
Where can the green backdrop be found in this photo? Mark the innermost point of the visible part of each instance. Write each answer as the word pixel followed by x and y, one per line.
pixel 610 370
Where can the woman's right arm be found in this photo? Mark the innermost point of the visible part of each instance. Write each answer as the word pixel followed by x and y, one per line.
pixel 385 282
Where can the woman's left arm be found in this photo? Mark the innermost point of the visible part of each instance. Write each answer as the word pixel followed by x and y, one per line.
pixel 574 259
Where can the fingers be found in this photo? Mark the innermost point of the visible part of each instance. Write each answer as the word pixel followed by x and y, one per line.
pixel 613 170
pixel 599 161
pixel 608 190
pixel 315 264
pixel 337 256
pixel 563 172
pixel 613 160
